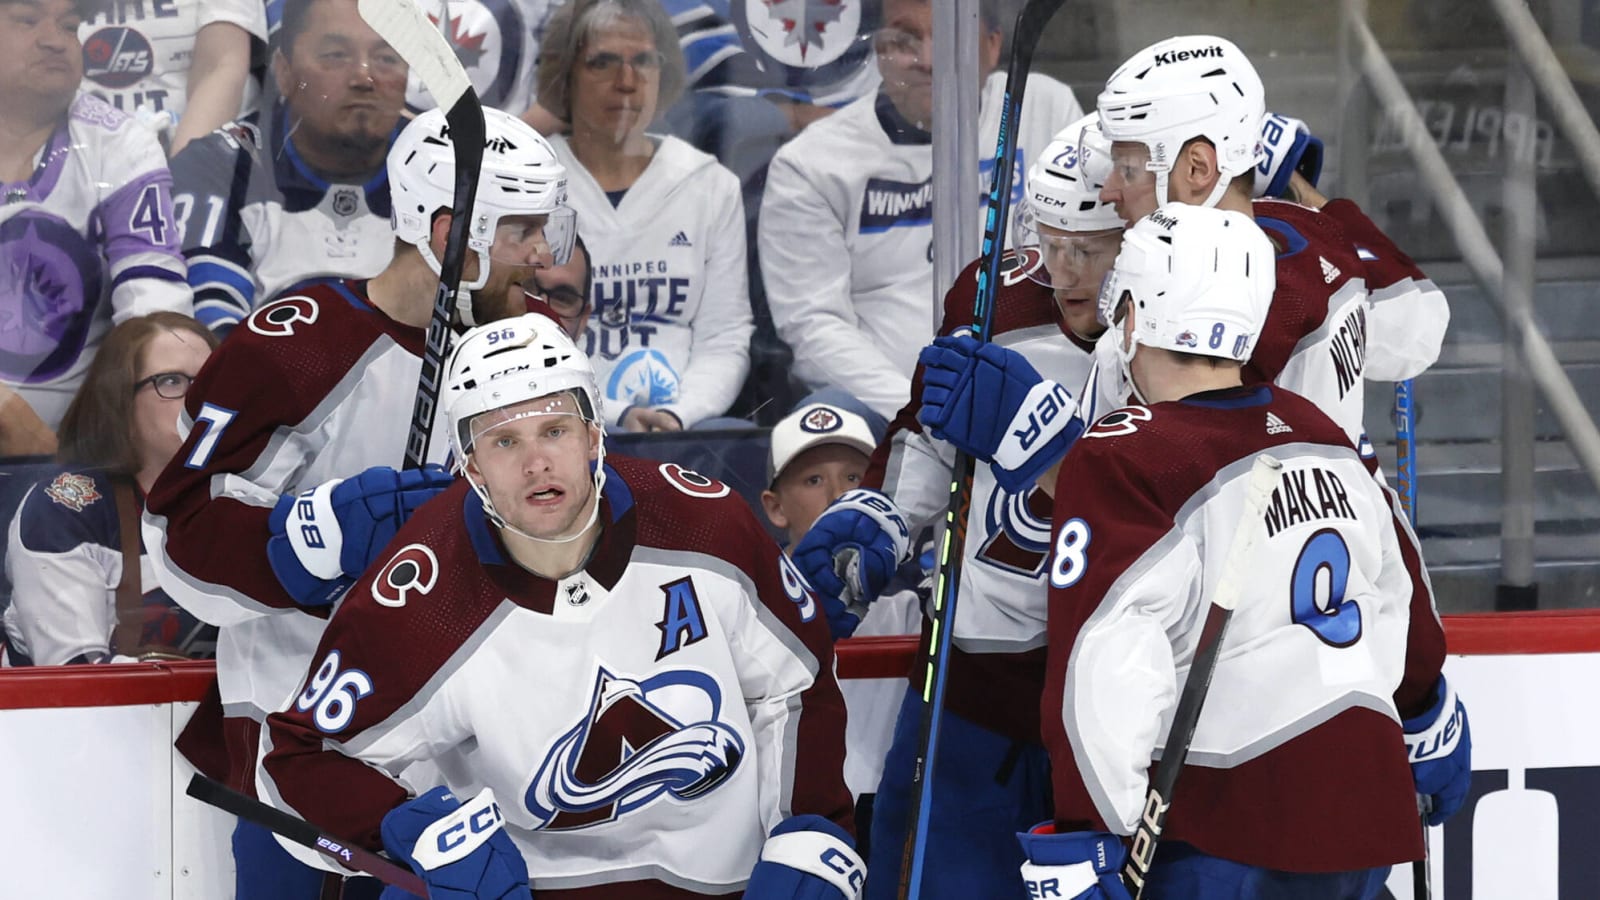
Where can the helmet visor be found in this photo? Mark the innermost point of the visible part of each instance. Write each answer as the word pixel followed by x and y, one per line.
pixel 535 240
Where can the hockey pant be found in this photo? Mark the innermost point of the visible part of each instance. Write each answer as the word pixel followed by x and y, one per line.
pixel 1180 870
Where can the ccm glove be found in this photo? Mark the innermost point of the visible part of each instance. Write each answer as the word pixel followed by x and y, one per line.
pixel 990 402
pixel 322 540
pixel 807 858
pixel 461 850
pixel 1079 865
pixel 1287 147
pixel 1439 744
pixel 850 553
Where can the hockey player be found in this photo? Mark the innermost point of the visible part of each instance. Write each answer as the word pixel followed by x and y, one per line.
pixel 993 776
pixel 306 194
pixel 846 224
pixel 87 236
pixel 284 490
pixel 683 704
pixel 1334 650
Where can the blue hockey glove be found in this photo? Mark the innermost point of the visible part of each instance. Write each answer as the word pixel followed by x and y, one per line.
pixel 1079 865
pixel 1439 744
pixel 460 849
pixel 1289 147
pixel 807 858
pixel 323 539
pixel 850 553
pixel 991 403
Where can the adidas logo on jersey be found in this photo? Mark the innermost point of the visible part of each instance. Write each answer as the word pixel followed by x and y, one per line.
pixel 1276 425
pixel 1330 272
pixel 679 240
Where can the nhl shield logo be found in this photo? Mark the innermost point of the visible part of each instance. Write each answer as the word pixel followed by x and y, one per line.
pixel 75 492
pixel 345 202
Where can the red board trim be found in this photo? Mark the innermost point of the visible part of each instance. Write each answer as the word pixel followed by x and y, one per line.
pixel 46 687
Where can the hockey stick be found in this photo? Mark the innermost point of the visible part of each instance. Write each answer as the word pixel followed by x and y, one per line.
pixel 1405 452
pixel 305 834
pixel 1263 477
pixel 407 29
pixel 1030 24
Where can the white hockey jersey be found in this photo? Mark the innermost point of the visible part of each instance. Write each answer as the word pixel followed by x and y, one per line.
pixel 846 236
pixel 672 322
pixel 87 241
pixel 137 53
pixel 643 722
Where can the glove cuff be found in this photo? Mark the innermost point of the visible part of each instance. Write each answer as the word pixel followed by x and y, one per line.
pixel 312 530
pixel 1435 733
pixel 455 836
pixel 818 847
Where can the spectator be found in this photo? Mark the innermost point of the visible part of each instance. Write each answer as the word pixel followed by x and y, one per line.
pixel 565 290
pixel 74 600
pixel 86 226
pixel 184 66
pixel 846 221
pixel 820 452
pixel 664 221
pixel 305 195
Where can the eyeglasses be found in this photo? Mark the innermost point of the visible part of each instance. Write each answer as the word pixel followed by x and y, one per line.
pixel 645 64
pixel 171 385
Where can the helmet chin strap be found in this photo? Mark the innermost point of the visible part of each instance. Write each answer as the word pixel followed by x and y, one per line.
pixel 464 314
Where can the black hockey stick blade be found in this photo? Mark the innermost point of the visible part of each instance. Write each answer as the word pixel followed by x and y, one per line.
pixel 407 29
pixel 1263 477
pixel 1030 24
pixel 305 834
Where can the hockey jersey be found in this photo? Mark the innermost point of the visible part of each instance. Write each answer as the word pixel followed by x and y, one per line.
pixel 137 53
pixel 668 704
pixel 87 241
pixel 672 322
pixel 64 560
pixel 997 659
pixel 846 236
pixel 1335 629
pixel 255 220
pixel 313 387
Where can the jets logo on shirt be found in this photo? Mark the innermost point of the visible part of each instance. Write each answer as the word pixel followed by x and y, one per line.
pixel 117 57
pixel 75 492
pixel 488 38
pixel 639 740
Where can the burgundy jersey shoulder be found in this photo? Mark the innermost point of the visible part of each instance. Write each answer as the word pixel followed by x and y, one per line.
pixel 1019 301
pixel 1315 260
pixel 679 509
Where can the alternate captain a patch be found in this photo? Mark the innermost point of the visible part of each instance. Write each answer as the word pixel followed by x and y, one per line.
pixel 75 492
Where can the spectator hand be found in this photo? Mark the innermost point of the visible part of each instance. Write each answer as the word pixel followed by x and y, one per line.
pixel 807 858
pixel 850 553
pixel 1079 865
pixel 990 402
pixel 1439 744
pixel 323 539
pixel 461 850
pixel 645 418
pixel 1289 147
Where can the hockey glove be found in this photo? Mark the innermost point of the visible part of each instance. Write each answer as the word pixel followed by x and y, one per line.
pixel 1287 147
pixel 807 858
pixel 1079 865
pixel 461 850
pixel 850 553
pixel 990 402
pixel 323 539
pixel 1439 744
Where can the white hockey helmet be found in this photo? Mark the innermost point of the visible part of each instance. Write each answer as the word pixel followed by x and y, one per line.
pixel 1182 88
pixel 510 362
pixel 1063 192
pixel 1198 280
pixel 520 176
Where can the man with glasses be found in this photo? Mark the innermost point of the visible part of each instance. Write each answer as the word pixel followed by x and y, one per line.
pixel 285 488
pixel 846 229
pixel 564 289
pixel 305 194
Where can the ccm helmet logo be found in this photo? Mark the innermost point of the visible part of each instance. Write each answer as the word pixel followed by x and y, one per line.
pixel 1173 56
pixel 414 568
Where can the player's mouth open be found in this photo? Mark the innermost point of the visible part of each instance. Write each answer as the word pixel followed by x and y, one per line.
pixel 546 495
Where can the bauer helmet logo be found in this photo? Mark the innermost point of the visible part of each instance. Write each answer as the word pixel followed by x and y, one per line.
pixel 413 568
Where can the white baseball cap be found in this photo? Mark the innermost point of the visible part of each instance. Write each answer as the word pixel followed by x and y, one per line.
pixel 812 426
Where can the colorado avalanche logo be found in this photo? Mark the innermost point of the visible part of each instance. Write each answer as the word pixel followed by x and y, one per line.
pixel 638 742
pixel 487 36
pixel 75 492
pixel 278 319
pixel 414 569
pixel 49 283
pixel 1018 526
pixel 1017 265
pixel 643 377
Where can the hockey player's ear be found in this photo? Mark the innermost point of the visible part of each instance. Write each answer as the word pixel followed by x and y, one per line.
pixel 1197 171
pixel 595 437
pixel 439 232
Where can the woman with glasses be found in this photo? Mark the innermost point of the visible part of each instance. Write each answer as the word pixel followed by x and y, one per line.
pixel 81 594
pixel 663 221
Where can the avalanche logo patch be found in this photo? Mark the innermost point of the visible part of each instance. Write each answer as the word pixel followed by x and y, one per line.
pixel 414 568
pixel 278 319
pixel 75 492
pixel 638 742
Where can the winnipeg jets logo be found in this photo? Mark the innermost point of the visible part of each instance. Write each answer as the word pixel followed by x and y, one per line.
pixel 637 742
pixel 809 33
